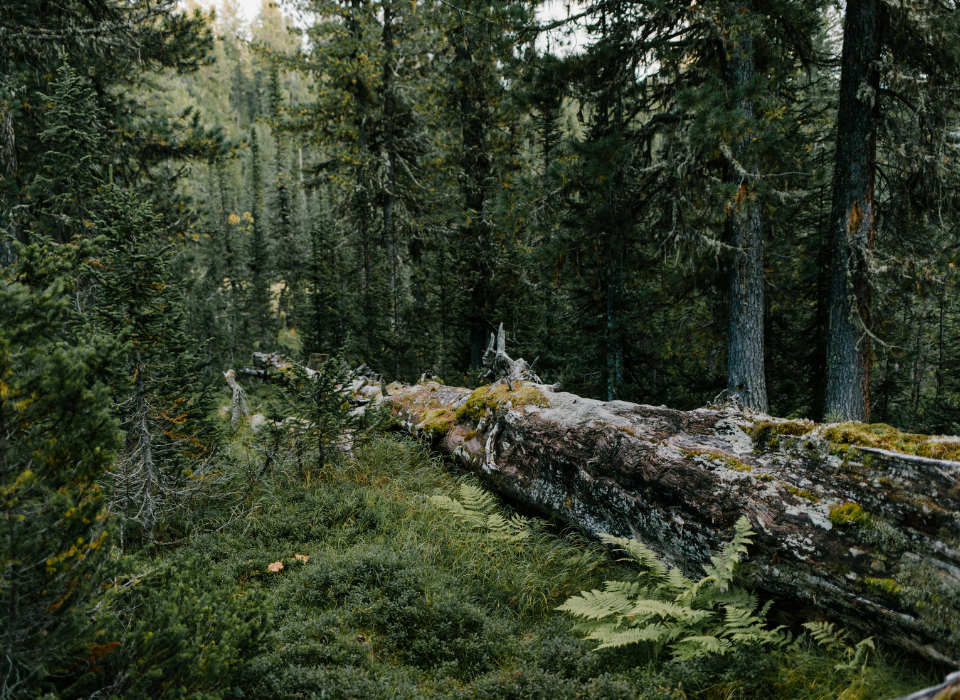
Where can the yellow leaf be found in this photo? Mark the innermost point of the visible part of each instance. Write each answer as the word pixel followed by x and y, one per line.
pixel 275 567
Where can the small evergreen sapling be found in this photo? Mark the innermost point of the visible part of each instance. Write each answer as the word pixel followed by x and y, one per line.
pixel 668 611
pixel 322 419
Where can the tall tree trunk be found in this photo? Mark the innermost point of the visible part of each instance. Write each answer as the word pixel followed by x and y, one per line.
pixel 852 217
pixel 474 176
pixel 390 187
pixel 8 160
pixel 745 374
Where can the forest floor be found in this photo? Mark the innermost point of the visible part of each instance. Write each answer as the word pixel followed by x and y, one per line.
pixel 384 595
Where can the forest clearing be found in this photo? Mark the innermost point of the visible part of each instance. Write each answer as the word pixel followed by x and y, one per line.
pixel 268 273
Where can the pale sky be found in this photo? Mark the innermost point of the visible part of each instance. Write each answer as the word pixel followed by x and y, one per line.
pixel 554 9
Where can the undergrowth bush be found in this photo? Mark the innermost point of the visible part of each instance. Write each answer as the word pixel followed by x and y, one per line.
pixel 369 583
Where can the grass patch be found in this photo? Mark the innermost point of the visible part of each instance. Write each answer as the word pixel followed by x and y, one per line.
pixel 494 396
pixel 882 436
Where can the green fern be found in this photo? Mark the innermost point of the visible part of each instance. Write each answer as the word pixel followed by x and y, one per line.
pixel 855 655
pixel 668 611
pixel 479 510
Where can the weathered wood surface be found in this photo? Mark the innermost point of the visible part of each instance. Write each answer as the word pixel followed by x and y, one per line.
pixel 678 481
pixel 948 690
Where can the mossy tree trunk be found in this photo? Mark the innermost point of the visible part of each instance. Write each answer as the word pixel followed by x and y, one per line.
pixel 864 535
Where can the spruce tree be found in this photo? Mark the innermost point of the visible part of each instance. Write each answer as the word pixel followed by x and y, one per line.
pixel 164 411
pixel 285 237
pixel 899 72
pixel 58 438
pixel 258 257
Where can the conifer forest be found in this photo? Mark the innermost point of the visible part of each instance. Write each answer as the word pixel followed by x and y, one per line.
pixel 267 274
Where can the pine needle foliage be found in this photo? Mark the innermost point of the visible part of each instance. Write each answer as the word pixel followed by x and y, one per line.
pixel 478 509
pixel 670 612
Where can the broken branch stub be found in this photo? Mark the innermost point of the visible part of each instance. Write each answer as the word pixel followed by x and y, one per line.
pixel 239 403
pixel 502 368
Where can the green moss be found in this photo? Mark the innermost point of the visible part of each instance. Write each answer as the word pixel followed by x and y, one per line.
pixel 885 437
pixel 437 422
pixel 803 493
pixel 765 477
pixel 849 513
pixel 469 435
pixel 883 585
pixel 727 460
pixel 765 433
pixel 495 396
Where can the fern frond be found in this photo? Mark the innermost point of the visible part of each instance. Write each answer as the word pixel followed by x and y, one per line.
pixel 645 609
pixel 596 605
pixel 511 529
pixel 857 655
pixel 825 634
pixel 477 500
pixel 472 518
pixel 628 589
pixel 645 556
pixel 675 581
pixel 665 608
pixel 478 509
pixel 609 638
pixel 701 645
pixel 721 570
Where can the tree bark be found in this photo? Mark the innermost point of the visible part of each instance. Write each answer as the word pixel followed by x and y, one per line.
pixel 745 371
pixel 678 481
pixel 852 217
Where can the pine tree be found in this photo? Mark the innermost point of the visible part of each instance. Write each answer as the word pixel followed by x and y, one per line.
pixel 318 317
pixel 164 412
pixel 899 68
pixel 284 228
pixel 58 438
pixel 258 256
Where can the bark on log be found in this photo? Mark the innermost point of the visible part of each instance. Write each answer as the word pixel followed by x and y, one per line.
pixel 677 481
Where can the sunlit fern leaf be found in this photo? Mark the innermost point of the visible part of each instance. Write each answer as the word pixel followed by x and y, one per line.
pixel 472 518
pixel 625 588
pixel 666 610
pixel 596 605
pixel 477 500
pixel 656 634
pixel 645 556
pixel 677 581
pixel 511 529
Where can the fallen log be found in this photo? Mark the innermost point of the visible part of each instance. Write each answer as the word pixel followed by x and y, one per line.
pixel 856 523
pixel 849 527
